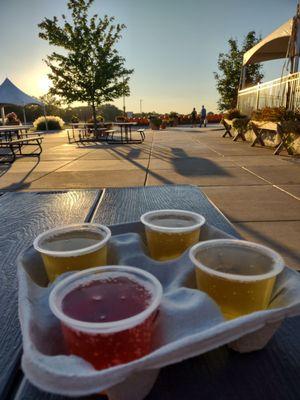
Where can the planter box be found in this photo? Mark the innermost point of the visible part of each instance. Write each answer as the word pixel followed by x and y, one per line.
pixel 270 138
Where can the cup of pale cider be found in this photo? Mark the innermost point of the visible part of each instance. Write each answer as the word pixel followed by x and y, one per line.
pixel 170 232
pixel 107 314
pixel 237 274
pixel 73 247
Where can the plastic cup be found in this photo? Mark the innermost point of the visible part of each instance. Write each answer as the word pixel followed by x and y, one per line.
pixel 88 248
pixel 128 333
pixel 237 274
pixel 170 232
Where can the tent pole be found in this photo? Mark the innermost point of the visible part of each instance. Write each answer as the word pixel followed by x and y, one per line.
pixel 297 41
pixel 242 77
pixel 44 109
pixel 3 115
pixel 24 116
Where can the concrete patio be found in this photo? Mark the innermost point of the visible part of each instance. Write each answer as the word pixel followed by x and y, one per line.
pixel 258 192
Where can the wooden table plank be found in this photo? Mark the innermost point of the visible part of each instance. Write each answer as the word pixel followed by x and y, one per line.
pixel 128 204
pixel 22 217
pixel 270 374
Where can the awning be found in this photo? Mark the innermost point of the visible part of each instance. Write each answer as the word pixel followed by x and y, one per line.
pixel 272 47
pixel 11 95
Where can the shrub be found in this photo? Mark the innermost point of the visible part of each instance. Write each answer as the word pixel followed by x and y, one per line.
pixel 275 114
pixel 214 118
pixel 54 123
pixel 164 123
pixel 234 113
pixel 240 123
pixel 291 126
pixel 12 119
pixel 99 119
pixel 74 119
pixel 120 118
pixel 155 122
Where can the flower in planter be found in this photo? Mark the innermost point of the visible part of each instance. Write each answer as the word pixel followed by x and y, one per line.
pixel 12 119
pixel 155 122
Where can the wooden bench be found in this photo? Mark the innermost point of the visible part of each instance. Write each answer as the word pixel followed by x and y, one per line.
pixel 228 126
pixel 260 127
pixel 15 148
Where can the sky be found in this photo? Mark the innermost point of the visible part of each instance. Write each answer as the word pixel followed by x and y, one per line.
pixel 173 45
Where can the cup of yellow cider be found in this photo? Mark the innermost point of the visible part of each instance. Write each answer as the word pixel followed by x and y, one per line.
pixel 73 247
pixel 170 232
pixel 237 274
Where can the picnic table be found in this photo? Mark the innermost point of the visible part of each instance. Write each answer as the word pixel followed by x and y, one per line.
pixel 87 133
pixel 222 374
pixel 126 129
pixel 9 131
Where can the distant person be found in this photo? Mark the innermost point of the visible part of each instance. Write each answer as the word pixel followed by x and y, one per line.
pixel 194 117
pixel 203 120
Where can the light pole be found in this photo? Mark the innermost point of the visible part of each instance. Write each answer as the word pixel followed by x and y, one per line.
pixel 124 107
pixel 141 106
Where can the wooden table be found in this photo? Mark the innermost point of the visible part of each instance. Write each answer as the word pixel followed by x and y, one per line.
pixel 222 374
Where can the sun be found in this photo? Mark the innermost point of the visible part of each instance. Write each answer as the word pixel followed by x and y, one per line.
pixel 44 83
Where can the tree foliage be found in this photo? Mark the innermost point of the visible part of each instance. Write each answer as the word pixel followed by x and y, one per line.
pixel 89 68
pixel 230 66
pixel 52 103
pixel 109 112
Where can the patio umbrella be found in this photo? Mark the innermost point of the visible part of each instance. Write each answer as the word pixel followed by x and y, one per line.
pixel 10 94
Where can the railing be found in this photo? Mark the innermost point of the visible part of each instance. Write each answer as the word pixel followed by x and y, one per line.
pixel 282 92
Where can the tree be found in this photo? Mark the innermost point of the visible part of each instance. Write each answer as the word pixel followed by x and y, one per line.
pixel 52 104
pixel 230 66
pixel 89 69
pixel 109 112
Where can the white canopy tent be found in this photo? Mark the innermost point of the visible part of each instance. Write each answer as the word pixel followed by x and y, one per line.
pixel 284 42
pixel 272 47
pixel 11 95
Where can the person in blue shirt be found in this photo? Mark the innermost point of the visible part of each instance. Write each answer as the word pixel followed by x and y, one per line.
pixel 203 117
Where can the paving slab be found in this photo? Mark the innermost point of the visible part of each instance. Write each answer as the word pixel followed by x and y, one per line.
pixel 254 203
pixel 293 189
pixel 91 179
pixel 37 166
pixel 100 154
pixel 254 161
pixel 108 165
pixel 282 236
pixel 183 152
pixel 118 152
pixel 190 163
pixel 18 181
pixel 240 150
pixel 282 174
pixel 210 176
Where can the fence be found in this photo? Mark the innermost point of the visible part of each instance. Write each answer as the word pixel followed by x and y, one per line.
pixel 280 92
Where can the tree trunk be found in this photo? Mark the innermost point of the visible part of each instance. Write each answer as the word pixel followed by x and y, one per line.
pixel 94 116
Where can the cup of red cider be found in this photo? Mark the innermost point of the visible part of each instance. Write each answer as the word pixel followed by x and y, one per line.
pixel 107 314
